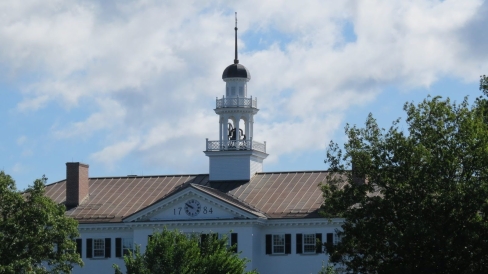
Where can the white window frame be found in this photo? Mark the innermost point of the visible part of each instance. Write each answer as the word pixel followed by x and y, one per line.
pixel 99 248
pixel 337 238
pixel 222 236
pixel 126 245
pixel 275 238
pixel 306 244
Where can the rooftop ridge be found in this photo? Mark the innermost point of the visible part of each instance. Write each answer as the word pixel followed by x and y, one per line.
pixel 134 176
pixel 292 171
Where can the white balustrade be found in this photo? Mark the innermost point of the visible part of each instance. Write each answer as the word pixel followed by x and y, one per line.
pixel 235 145
pixel 237 102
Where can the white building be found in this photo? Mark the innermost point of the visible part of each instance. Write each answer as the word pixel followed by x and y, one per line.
pixel 271 216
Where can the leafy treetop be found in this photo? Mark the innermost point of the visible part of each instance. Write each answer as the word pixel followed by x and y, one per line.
pixel 416 199
pixel 35 234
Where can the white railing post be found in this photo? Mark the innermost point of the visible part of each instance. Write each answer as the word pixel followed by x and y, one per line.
pixel 207 144
pixel 264 146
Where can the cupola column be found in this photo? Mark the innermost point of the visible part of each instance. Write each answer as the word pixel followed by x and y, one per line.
pixel 221 122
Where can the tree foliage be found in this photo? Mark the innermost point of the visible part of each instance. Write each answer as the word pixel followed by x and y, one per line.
pixel 35 235
pixel 484 84
pixel 173 252
pixel 416 200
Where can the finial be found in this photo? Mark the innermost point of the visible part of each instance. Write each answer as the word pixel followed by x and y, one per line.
pixel 236 61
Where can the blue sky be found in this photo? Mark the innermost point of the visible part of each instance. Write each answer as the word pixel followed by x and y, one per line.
pixel 129 87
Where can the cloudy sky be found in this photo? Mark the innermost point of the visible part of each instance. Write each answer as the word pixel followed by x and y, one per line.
pixel 129 87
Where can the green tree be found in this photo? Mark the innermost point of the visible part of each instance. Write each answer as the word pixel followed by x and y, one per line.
pixel 173 252
pixel 484 84
pixel 327 269
pixel 35 235
pixel 416 200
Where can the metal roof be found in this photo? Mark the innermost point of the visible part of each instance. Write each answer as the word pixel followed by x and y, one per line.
pixel 274 194
pixel 236 71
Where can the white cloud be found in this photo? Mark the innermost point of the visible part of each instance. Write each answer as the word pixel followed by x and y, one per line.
pixel 150 70
pixel 21 140
pixel 110 115
pixel 111 154
pixel 18 168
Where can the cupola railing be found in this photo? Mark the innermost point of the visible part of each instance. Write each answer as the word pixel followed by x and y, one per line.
pixel 227 145
pixel 237 102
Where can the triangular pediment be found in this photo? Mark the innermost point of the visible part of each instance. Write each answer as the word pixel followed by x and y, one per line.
pixel 194 202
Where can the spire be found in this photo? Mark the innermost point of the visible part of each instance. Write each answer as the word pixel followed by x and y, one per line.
pixel 236 61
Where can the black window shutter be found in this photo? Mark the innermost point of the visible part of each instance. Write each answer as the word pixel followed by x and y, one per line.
pixel 203 237
pixel 330 238
pixel 299 244
pixel 89 247
pixel 78 246
pixel 287 243
pixel 318 238
pixel 233 241
pixel 108 247
pixel 118 247
pixel 269 244
pixel 149 237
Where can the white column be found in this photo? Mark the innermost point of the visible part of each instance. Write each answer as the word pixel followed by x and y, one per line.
pixel 225 129
pixel 220 129
pixel 248 129
pixel 238 135
pixel 251 125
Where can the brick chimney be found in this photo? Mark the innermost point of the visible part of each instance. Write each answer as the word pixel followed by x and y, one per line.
pixel 76 183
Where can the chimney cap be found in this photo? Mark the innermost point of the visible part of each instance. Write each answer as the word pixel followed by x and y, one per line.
pixel 77 163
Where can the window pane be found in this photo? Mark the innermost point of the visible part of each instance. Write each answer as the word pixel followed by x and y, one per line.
pixel 126 245
pixel 98 247
pixel 279 244
pixel 309 243
pixel 227 237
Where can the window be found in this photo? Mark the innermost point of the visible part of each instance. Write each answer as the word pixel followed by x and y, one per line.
pixel 231 240
pixel 309 243
pixel 123 246
pixel 233 91
pixel 278 243
pixel 227 91
pixel 126 245
pixel 333 238
pixel 98 248
pixel 241 91
pixel 337 239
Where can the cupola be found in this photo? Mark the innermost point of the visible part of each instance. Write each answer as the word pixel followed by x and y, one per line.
pixel 235 156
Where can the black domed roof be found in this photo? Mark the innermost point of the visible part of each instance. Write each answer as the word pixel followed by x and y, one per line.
pixel 236 71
